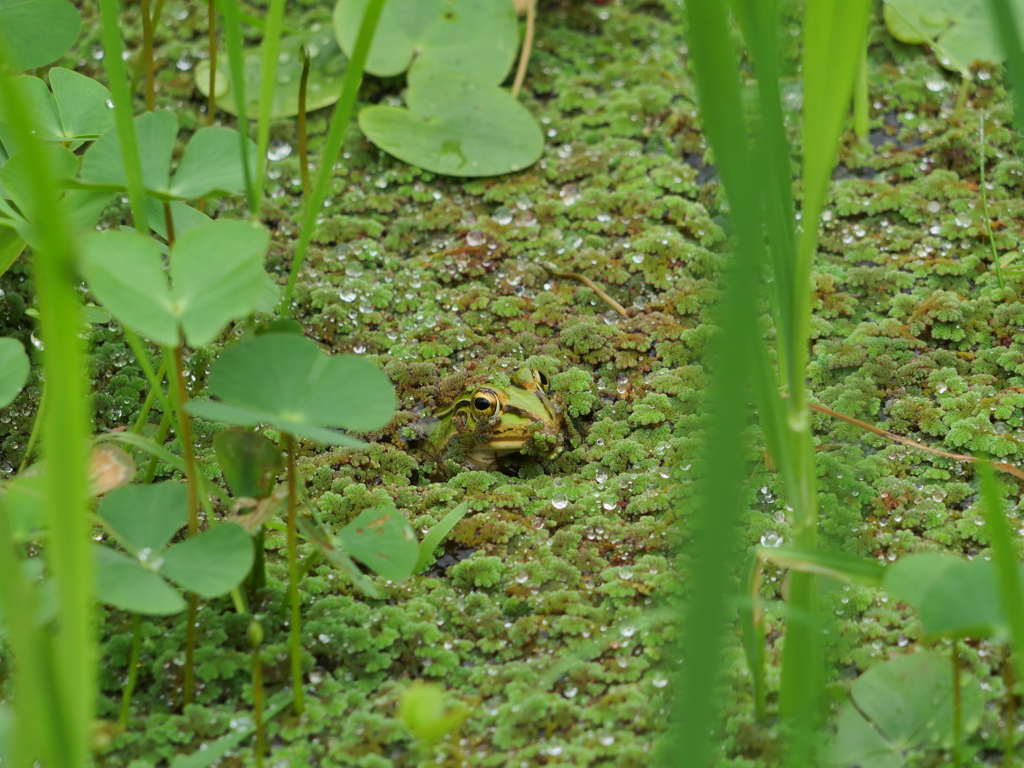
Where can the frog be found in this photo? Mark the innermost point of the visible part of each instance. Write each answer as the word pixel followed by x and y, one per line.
pixel 490 420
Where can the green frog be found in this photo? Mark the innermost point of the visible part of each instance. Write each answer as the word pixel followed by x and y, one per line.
pixel 489 421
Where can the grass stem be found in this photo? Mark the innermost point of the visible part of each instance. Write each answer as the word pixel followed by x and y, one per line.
pixel 133 671
pixel 984 202
pixel 295 629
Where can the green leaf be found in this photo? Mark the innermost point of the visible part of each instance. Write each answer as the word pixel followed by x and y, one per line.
pixel 20 172
pixel 286 381
pixel 123 582
pixel 77 110
pixel 216 272
pixel 210 166
pixel 423 708
pixel 11 245
pixel 908 702
pixel 37 32
pixel 217 275
pixel 25 497
pixel 436 536
pixel 212 563
pixel 961 31
pixel 460 37
pixel 250 462
pixel 457 126
pixel 382 540
pixel 326 76
pixel 83 105
pixel 145 517
pixel 836 565
pixel 14 369
pixel 125 272
pixel 183 216
pixel 955 598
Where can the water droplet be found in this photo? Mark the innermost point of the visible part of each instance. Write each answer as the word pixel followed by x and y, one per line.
pixel 559 501
pixel 475 237
pixel 502 216
pixel 279 150
pixel 771 539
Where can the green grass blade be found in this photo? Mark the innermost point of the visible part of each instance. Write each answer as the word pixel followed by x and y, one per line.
pixel 70 669
pixel 1004 554
pixel 236 71
pixel 268 80
pixel 118 83
pixel 332 147
pixel 1005 21
pixel 436 536
pixel 713 536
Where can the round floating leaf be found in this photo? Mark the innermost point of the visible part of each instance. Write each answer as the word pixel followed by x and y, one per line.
pixel 211 165
pixel 960 30
pixel 123 582
pixel 382 540
pixel 212 563
pixel 37 32
pixel 216 273
pixel 286 381
pixel 462 37
pixel 457 127
pixel 902 704
pixel 13 370
pixel 145 517
pixel 326 76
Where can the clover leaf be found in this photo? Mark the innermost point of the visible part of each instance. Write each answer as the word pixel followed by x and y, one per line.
pixel 144 519
pixel 78 108
pixel 456 126
pixel 216 276
pixel 285 381
pixel 210 167
pixel 382 540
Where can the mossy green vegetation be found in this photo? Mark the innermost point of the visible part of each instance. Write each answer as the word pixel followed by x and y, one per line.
pixel 538 615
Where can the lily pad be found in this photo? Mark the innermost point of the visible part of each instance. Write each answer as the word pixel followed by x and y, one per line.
pixel 457 126
pixel 285 381
pixel 37 32
pixel 432 37
pixel 326 76
pixel 210 167
pixel 960 30
pixel 905 703
pixel 216 276
pixel 382 540
pixel 13 370
pixel 78 108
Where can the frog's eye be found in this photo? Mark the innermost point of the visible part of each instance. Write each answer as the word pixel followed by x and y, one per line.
pixel 542 379
pixel 485 402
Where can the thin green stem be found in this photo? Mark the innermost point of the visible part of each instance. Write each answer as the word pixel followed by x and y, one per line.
pixel 1009 712
pixel 118 84
pixel 161 435
pixel 958 726
pixel 133 88
pixel 37 424
pixel 256 636
pixel 984 202
pixel 192 480
pixel 212 22
pixel 147 53
pixel 151 396
pixel 332 147
pixel 133 671
pixel 154 379
pixel 236 66
pixel 268 82
pixel 861 115
pixel 295 630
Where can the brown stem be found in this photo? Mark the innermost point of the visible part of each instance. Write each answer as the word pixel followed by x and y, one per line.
pixel 550 269
pixel 293 581
pixel 303 150
pixel 524 53
pixel 191 478
pixel 169 223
